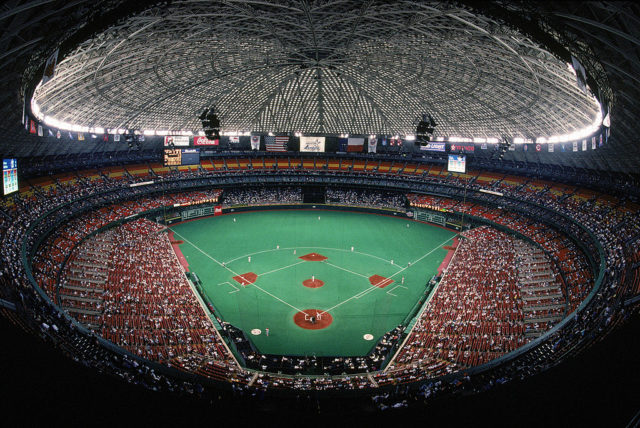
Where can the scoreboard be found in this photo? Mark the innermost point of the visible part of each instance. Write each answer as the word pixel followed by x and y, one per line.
pixel 190 156
pixel 9 176
pixel 177 157
pixel 172 157
pixel 457 163
pixel 431 217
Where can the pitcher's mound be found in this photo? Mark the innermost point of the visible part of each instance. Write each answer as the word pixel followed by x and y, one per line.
pixel 313 283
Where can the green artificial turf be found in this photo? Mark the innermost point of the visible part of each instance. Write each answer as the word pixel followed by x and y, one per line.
pixel 357 307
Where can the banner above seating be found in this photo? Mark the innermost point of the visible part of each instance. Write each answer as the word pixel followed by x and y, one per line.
pixel 176 140
pixel 204 141
pixel 434 147
pixel 312 144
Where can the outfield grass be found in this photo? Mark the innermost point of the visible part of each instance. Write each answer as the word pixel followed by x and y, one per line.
pixel 270 238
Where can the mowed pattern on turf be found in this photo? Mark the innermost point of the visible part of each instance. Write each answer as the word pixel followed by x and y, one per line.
pixel 275 240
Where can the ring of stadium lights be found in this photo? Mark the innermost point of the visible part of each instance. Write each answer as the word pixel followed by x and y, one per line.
pixel 578 135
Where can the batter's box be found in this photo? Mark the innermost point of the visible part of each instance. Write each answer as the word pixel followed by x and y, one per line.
pixel 235 289
pixel 390 292
pixel 246 278
pixel 380 281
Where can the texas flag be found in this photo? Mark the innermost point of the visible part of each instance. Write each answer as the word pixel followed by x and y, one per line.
pixel 355 144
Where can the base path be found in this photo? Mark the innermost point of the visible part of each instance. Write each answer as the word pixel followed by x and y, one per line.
pixel 246 278
pixel 218 250
pixel 313 319
pixel 379 281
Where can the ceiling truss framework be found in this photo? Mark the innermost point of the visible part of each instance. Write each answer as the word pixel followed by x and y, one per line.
pixel 317 67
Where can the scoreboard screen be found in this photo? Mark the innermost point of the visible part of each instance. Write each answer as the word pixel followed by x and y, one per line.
pixel 190 156
pixel 457 163
pixel 9 176
pixel 172 157
pixel 177 157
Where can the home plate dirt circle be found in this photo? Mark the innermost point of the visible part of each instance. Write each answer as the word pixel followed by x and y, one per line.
pixel 313 319
pixel 313 283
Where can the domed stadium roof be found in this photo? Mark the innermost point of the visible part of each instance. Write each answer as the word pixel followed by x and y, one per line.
pixel 317 67
pixel 496 69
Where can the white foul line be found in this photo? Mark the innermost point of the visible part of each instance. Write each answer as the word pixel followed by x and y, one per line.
pixel 364 292
pixel 356 296
pixel 373 287
pixel 235 273
pixel 427 254
pixel 390 291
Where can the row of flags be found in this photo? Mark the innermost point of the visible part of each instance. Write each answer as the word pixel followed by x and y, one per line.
pixel 357 144
pixel 592 143
pixel 41 131
pixel 351 144
pixel 317 144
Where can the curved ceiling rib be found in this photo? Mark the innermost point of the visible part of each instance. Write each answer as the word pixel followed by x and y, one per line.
pixel 317 67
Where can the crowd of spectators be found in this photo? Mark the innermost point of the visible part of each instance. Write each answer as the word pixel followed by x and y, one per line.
pixel 48 260
pixel 144 303
pixel 569 259
pixel 314 365
pixel 476 313
pixel 368 198
pixel 79 204
pixel 263 196
pixel 38 315
pixel 293 195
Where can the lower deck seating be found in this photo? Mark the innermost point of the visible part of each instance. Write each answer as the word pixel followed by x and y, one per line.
pixel 138 296
pixel 476 313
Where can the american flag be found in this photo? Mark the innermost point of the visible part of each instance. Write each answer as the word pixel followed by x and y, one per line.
pixel 276 144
